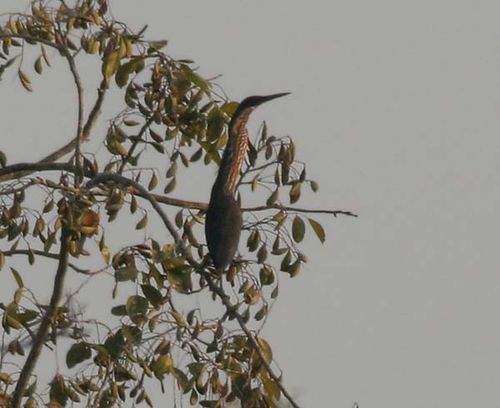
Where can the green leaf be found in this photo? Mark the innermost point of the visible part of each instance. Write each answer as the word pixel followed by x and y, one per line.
pixel 133 204
pixel 318 229
pixel 123 374
pixel 142 223
pixel 152 294
pixel 77 353
pixel 272 198
pixel 110 64
pixel 119 310
pixel 295 193
pixel 172 170
pixel 314 186
pixel 179 220
pixel 298 229
pixel 253 240
pixel 126 274
pixel 209 403
pixel 17 277
pixel 26 316
pixel 215 125
pixel 131 122
pixel 157 45
pixel 6 378
pixel 266 275
pixel 3 159
pixel 122 74
pixel 153 182
pixel 114 345
pixel 38 65
pixel 25 81
pixel 266 349
pixel 49 206
pixel 195 78
pixel 137 305
pixel 181 378
pixel 294 268
pixel 229 108
pixel 163 365
pixel 132 333
pixel 170 186
pixel 180 279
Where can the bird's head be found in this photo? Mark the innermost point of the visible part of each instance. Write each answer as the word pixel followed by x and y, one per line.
pixel 252 102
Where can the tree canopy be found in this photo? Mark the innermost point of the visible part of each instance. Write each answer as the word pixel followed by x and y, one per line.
pixel 62 208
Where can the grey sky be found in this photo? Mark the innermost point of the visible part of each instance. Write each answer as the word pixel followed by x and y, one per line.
pixel 395 108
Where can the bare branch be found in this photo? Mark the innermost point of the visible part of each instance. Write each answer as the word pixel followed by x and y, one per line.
pixel 275 206
pixel 79 92
pixel 134 144
pixel 196 205
pixel 47 255
pixel 20 169
pixel 43 330
pixel 95 111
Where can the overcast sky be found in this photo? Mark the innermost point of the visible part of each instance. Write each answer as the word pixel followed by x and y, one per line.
pixel 395 108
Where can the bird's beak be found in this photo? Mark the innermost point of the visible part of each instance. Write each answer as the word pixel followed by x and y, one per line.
pixel 263 99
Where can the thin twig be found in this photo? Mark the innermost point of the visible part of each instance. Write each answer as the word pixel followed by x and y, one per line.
pixel 50 256
pixel 130 152
pixel 19 169
pixel 196 205
pixel 276 206
pixel 13 190
pixel 79 92
pixel 43 330
pixel 95 111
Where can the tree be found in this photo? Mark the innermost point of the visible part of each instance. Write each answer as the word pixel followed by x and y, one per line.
pixel 61 209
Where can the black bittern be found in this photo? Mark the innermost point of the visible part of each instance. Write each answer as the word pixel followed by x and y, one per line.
pixel 223 220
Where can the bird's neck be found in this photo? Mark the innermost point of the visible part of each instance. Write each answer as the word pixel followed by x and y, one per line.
pixel 234 154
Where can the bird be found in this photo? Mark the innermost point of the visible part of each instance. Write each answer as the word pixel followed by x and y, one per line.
pixel 223 219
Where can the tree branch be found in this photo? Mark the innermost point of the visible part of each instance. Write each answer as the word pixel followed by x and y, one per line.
pixel 79 92
pixel 196 205
pixel 226 301
pixel 95 111
pixel 43 330
pixel 46 255
pixel 20 169
pixel 130 152
pixel 275 206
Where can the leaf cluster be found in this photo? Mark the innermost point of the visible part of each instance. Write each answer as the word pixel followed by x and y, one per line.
pixel 170 115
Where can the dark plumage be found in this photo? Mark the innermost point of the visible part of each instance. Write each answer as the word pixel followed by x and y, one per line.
pixel 223 219
pixel 223 228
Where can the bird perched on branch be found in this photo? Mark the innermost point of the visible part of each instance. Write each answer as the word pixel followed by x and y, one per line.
pixel 223 219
